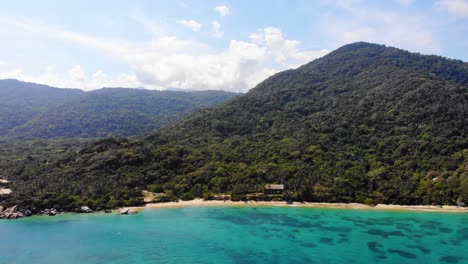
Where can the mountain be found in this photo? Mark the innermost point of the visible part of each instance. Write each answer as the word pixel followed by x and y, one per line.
pixel 365 123
pixel 22 101
pixel 35 111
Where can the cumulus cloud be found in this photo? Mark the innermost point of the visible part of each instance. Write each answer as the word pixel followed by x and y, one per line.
pixel 167 61
pixel 455 7
pixel 192 24
pixel 76 77
pixel 217 32
pixel 284 51
pixel 365 23
pixel 223 10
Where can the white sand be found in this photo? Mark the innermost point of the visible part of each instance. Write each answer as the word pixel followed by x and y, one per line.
pixel 201 202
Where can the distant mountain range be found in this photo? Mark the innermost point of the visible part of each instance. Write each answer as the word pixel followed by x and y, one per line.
pixel 29 110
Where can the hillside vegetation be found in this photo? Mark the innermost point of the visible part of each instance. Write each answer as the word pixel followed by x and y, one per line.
pixel 365 123
pixel 32 111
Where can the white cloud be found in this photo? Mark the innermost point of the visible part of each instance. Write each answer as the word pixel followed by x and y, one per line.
pixel 149 24
pixel 257 37
pixel 406 2
pixel 217 32
pixel 223 10
pixel 454 7
pixel 192 24
pixel 365 23
pixel 284 51
pixel 167 61
pixel 42 30
pixel 75 78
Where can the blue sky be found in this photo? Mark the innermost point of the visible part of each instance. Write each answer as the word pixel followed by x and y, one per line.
pixel 228 45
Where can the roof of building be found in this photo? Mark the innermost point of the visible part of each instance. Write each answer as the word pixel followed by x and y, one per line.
pixel 274 186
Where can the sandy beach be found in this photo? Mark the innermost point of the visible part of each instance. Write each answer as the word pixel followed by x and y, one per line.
pixel 201 202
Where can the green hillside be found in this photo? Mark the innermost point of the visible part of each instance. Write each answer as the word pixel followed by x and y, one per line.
pixel 31 111
pixel 365 123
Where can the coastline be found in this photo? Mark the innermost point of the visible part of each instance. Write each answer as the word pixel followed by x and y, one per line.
pixel 228 203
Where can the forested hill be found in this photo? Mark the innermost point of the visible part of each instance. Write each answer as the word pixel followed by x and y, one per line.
pixel 365 123
pixel 22 101
pixel 358 84
pixel 29 111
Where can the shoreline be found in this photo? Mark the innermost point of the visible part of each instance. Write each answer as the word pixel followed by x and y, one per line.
pixel 228 203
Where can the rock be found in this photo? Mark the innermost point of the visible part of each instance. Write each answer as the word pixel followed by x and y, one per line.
pixel 85 209
pixel 1 209
pixel 131 211
pixel 11 210
pixel 27 213
pixel 124 211
pixel 52 212
pixel 14 215
pixel 460 202
pixel 107 211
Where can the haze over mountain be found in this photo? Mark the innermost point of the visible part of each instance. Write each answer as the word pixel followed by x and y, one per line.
pixel 365 123
pixel 29 110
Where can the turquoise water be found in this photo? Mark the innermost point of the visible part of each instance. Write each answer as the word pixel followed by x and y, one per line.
pixel 238 235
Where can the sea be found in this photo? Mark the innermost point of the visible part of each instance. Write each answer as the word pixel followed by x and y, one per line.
pixel 244 234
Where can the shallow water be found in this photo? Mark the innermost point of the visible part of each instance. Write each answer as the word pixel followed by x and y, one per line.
pixel 238 235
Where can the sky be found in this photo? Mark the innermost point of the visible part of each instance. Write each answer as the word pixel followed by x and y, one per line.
pixel 208 45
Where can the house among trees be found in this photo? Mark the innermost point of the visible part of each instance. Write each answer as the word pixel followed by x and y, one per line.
pixel 274 189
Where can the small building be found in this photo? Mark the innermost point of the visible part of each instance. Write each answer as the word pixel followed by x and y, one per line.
pixel 222 197
pixel 274 189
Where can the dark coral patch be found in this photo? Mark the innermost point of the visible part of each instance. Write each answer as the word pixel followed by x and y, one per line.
pixel 451 259
pixel 326 240
pixel 375 247
pixel 308 245
pixel 421 248
pixel 402 253
pixel 383 233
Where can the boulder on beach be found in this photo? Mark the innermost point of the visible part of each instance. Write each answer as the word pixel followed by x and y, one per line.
pixel 27 213
pixel 11 210
pixel 125 211
pixel 53 212
pixel 85 209
pixel 14 215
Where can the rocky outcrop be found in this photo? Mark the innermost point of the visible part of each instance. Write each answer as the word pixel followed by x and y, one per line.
pixel 85 209
pixel 129 211
pixel 10 213
pixel 11 210
pixel 460 202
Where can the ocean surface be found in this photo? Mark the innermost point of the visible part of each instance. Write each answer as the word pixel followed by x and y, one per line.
pixel 238 235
